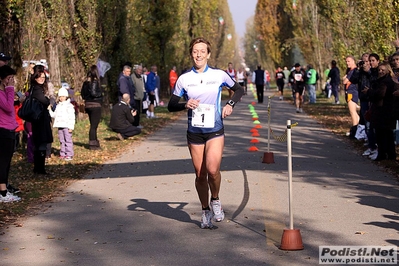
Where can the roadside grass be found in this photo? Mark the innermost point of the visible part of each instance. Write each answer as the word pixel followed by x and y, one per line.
pixel 37 189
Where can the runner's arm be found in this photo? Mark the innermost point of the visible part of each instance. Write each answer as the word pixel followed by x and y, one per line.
pixel 174 104
pixel 238 92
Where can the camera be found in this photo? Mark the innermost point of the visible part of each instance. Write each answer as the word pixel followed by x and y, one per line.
pixel 360 63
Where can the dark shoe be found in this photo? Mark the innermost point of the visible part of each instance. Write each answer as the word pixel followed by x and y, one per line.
pixel 12 189
pixel 94 145
pixel 40 162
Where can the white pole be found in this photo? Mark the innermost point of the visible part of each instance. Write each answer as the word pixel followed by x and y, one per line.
pixel 268 124
pixel 290 173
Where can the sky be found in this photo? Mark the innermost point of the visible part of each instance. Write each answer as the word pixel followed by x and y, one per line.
pixel 241 10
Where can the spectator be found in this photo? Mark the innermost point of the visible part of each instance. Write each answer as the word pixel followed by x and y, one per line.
pixel 7 130
pixel 151 86
pixel 286 75
pixel 297 82
pixel 259 78
pixel 267 81
pixel 362 77
pixel 125 85
pixel 172 78
pixel 41 129
pixel 92 94
pixel 4 59
pixel 138 82
pixel 122 119
pixel 64 120
pixel 335 80
pixel 351 94
pixel 381 96
pixel 311 79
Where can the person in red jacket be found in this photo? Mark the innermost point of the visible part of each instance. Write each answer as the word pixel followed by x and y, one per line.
pixel 172 79
pixel 20 128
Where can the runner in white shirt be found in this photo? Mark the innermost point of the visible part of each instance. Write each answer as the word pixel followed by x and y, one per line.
pixel 202 88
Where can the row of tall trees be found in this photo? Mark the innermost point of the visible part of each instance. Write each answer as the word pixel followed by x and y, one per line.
pixel 72 34
pixel 321 30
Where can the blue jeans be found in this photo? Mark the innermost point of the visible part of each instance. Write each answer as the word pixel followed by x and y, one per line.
pixel 312 93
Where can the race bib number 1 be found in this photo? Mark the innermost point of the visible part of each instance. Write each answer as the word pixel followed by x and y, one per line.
pixel 203 116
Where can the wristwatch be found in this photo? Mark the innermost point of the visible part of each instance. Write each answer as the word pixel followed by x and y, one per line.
pixel 231 103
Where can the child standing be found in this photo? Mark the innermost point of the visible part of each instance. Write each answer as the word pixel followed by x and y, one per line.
pixel 64 120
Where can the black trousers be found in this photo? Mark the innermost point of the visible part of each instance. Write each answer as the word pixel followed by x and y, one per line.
pixel 94 118
pixel 129 131
pixel 139 106
pixel 386 143
pixel 7 150
pixel 259 93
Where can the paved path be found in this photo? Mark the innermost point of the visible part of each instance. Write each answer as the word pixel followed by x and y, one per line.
pixel 142 208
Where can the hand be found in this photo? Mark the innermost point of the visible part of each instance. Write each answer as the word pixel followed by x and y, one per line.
pixel 395 93
pixel 134 112
pixel 227 110
pixel 192 104
pixel 9 81
pixel 365 90
pixel 70 130
pixel 49 107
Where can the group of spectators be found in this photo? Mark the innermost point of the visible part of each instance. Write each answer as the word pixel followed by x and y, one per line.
pixel 138 93
pixel 372 86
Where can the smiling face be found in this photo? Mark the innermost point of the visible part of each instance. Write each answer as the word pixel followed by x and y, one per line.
pixel 382 71
pixel 41 79
pixel 350 62
pixel 200 56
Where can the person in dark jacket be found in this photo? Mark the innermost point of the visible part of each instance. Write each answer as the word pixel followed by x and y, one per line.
pixel 122 119
pixel 381 96
pixel 259 78
pixel 125 85
pixel 42 133
pixel 92 94
pixel 335 80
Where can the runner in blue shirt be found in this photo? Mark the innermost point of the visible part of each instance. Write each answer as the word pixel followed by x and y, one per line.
pixel 202 89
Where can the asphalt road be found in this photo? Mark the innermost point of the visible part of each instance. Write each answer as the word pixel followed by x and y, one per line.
pixel 142 208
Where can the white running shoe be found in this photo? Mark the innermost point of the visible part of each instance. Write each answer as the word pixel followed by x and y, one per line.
pixel 218 213
pixel 374 156
pixel 369 152
pixel 206 219
pixel 9 198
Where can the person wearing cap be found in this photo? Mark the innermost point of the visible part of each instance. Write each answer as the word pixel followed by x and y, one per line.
pixel 4 59
pixel 8 124
pixel 64 120
pixel 297 82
